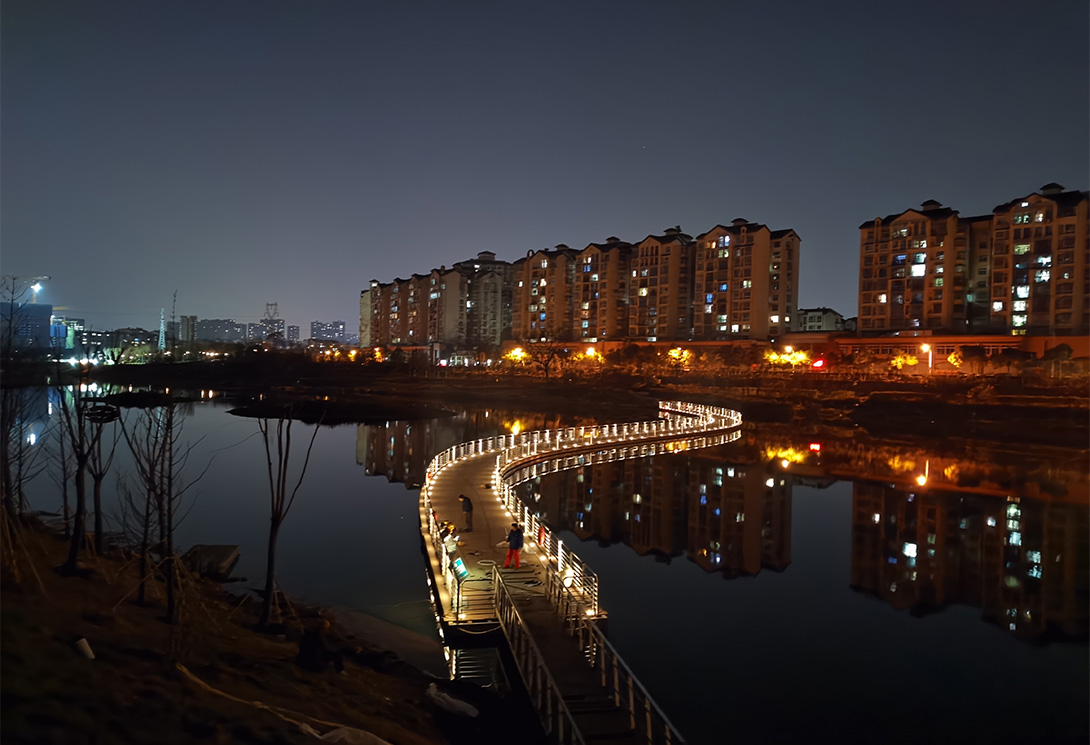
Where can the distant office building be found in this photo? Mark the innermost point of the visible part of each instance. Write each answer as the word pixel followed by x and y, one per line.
pixel 220 329
pixel 818 319
pixel 267 329
pixel 187 331
pixel 1022 269
pixel 293 334
pixel 27 325
pixel 329 331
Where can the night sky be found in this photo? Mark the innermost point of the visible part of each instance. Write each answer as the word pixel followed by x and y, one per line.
pixel 251 152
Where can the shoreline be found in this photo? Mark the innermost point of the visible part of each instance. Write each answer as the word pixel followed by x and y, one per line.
pixel 212 677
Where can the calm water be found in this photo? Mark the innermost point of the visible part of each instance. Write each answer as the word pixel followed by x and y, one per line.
pixel 772 590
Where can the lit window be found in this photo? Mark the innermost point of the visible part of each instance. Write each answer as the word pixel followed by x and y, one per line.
pixel 722 319
pixel 707 308
pixel 1021 291
pixel 1018 305
pixel 1021 248
pixel 1018 320
pixel 918 270
pixel 882 298
pixel 544 263
pixel 724 253
pixel 997 306
pixel 774 319
pixel 746 284
pixel 1042 275
pixel 1044 260
pixel 723 287
pixel 643 292
pixel 938 282
pixel 734 328
pixel 724 240
pixel 594 278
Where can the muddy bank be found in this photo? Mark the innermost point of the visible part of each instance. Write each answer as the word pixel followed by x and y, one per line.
pixel 212 678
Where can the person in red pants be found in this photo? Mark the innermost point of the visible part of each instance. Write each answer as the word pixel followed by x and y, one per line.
pixel 514 545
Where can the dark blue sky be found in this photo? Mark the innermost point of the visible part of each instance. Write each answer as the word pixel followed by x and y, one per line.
pixel 252 152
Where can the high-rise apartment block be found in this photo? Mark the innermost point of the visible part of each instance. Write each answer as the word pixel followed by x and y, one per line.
pixel 1025 268
pixel 732 282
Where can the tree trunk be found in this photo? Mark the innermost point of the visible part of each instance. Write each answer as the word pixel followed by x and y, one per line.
pixel 270 574
pixel 145 546
pixel 76 544
pixel 97 496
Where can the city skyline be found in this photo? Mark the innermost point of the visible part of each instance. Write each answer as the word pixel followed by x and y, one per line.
pixel 249 154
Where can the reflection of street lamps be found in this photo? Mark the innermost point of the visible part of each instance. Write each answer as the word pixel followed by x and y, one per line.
pixel 930 356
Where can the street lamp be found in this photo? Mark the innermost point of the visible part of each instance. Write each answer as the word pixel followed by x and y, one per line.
pixel 930 356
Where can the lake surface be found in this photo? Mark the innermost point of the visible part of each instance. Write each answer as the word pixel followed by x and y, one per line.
pixel 776 589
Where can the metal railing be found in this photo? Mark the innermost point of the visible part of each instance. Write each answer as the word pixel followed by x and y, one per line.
pixel 646 719
pixel 528 455
pixel 556 718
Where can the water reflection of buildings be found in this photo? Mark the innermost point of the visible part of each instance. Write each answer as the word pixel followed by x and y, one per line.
pixel 400 450
pixel 1023 562
pixel 729 518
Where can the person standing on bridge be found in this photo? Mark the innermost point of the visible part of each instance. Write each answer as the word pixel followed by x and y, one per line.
pixel 514 546
pixel 467 510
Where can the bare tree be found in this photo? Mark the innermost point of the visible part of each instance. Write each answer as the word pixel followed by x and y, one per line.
pixel 99 464
pixel 82 438
pixel 152 435
pixel 277 437
pixel 549 349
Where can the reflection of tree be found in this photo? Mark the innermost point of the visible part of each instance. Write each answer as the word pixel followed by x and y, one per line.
pixel 276 435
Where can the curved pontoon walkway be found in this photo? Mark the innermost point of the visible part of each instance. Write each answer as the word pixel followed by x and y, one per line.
pixel 548 609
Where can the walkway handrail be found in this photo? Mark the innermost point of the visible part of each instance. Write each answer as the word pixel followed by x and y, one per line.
pixel 644 715
pixel 548 699
pixel 529 454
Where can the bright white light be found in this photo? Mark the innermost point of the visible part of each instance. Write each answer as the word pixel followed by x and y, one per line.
pixel 909 549
pixel 770 482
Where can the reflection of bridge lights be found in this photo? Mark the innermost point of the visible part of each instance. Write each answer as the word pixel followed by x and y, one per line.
pixel 921 480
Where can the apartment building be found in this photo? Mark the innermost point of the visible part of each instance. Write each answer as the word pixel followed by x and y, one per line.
pixel 817 319
pixel 489 299
pixel 737 281
pixel 1023 269
pixel 446 307
pixel 601 291
pixel 1040 263
pixel 661 288
pixel 542 294
pixel 746 281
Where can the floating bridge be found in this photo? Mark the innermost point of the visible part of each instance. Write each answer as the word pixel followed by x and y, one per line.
pixel 548 610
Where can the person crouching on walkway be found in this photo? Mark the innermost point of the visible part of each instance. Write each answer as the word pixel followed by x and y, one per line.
pixel 467 510
pixel 514 546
